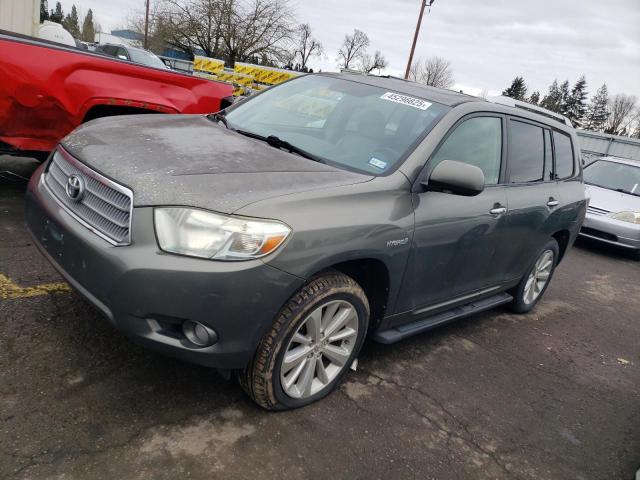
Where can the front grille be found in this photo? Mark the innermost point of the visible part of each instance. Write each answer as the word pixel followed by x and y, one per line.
pixel 103 206
pixel 599 234
pixel 597 211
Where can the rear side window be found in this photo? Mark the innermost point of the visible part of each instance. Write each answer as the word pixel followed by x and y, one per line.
pixel 564 155
pixel 477 141
pixel 526 153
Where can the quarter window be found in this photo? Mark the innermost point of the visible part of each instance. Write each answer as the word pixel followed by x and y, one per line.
pixel 477 141
pixel 526 154
pixel 564 155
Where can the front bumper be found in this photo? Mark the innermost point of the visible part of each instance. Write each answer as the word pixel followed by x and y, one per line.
pixel 147 294
pixel 614 232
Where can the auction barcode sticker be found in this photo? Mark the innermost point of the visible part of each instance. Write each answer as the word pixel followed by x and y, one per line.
pixel 405 100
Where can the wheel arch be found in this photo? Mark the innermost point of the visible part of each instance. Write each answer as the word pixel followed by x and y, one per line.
pixel 373 275
pixel 562 237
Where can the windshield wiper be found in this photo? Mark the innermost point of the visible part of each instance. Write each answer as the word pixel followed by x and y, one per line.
pixel 220 117
pixel 277 142
pixel 622 190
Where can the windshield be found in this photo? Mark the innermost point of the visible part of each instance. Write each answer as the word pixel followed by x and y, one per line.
pixel 344 123
pixel 614 176
pixel 146 58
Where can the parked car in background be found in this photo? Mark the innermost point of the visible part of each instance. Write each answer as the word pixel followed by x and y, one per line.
pixel 272 238
pixel 613 215
pixel 48 89
pixel 132 54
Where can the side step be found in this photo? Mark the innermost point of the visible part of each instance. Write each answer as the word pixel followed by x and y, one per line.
pixel 401 332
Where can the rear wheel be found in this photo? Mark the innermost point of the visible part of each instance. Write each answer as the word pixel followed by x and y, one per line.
pixel 311 345
pixel 535 282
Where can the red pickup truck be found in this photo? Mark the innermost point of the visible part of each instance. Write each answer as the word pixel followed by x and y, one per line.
pixel 48 89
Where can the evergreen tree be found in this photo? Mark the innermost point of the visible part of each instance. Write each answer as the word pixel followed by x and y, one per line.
pixel 576 105
pixel 534 99
pixel 564 97
pixel 597 113
pixel 553 99
pixel 44 10
pixel 57 15
pixel 88 28
pixel 517 90
pixel 71 23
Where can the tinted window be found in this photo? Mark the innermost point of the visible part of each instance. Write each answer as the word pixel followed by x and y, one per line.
pixel 477 141
pixel 564 155
pixel 526 154
pixel 121 52
pixel 548 156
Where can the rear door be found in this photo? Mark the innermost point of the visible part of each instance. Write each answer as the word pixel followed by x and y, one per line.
pixel 532 192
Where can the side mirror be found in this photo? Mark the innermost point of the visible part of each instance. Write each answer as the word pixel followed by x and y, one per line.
pixel 456 177
pixel 123 57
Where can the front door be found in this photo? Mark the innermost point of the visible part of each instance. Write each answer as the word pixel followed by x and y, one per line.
pixel 459 240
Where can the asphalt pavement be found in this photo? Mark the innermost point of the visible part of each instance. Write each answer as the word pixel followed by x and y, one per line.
pixel 554 394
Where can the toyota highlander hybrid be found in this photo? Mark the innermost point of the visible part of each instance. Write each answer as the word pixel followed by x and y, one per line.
pixel 270 239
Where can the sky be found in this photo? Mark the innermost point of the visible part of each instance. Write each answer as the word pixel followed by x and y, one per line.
pixel 487 42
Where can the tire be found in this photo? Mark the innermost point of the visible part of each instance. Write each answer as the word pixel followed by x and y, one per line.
pixel 262 378
pixel 522 303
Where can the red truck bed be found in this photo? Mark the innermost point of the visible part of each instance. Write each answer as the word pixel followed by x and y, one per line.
pixel 47 90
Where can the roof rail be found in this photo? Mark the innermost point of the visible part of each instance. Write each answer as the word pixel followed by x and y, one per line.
pixel 511 102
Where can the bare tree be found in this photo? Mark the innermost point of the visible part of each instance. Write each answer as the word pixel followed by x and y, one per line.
pixel 353 48
pixel 257 30
pixel 235 30
pixel 369 63
pixel 306 46
pixel 620 110
pixel 434 71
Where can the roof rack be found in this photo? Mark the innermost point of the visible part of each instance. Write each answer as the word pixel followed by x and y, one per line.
pixel 511 102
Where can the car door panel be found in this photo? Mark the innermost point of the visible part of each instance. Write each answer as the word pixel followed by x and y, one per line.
pixel 456 239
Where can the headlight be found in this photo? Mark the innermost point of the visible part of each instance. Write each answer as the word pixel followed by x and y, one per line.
pixel 199 233
pixel 631 217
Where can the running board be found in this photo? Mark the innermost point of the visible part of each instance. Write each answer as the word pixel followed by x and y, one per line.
pixel 395 334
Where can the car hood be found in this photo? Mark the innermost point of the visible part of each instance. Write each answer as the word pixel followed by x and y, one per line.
pixel 611 200
pixel 190 160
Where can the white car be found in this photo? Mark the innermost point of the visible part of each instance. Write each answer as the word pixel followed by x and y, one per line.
pixel 613 215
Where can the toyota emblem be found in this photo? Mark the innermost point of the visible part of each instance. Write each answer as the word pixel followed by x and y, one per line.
pixel 75 188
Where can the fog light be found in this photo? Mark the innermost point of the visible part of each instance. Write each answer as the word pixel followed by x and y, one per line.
pixel 198 334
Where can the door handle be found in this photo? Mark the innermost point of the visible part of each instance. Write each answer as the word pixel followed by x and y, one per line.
pixel 498 211
pixel 552 203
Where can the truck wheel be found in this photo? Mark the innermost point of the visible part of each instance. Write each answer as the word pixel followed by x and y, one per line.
pixel 537 279
pixel 313 341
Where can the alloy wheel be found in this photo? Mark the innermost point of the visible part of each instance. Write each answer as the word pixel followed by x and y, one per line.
pixel 319 349
pixel 539 277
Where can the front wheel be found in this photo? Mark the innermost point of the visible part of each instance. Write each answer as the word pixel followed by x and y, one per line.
pixel 535 282
pixel 311 345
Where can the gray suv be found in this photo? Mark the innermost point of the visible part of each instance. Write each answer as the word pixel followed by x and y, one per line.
pixel 270 239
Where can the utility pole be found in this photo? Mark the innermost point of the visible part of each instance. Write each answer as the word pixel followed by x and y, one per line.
pixel 424 3
pixel 146 28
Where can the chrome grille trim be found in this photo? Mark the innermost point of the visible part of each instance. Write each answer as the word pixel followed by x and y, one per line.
pixel 597 211
pixel 106 207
